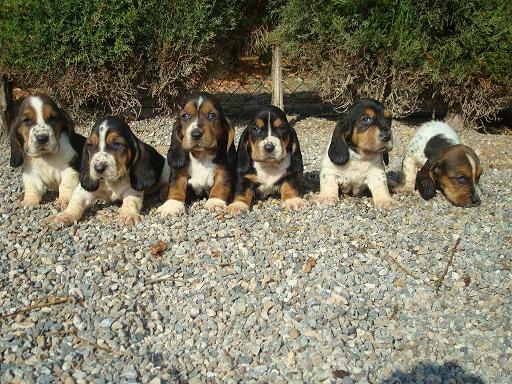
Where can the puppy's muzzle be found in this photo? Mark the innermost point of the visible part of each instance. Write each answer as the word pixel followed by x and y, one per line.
pixel 100 168
pixel 269 147
pixel 196 134
pixel 385 136
pixel 42 139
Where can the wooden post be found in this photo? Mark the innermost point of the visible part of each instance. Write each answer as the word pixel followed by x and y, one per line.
pixel 277 77
pixel 4 106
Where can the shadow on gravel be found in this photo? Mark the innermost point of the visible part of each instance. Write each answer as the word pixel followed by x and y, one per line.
pixel 433 373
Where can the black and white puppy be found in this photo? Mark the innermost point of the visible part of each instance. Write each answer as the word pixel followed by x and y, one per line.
pixel 45 144
pixel 202 156
pixel 444 164
pixel 356 155
pixel 269 160
pixel 116 166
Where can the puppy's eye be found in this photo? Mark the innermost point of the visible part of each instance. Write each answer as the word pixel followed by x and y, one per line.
pixel 185 117
pixel 460 179
pixel 116 146
pixel 91 146
pixel 52 120
pixel 28 121
pixel 366 120
pixel 212 116
pixel 256 130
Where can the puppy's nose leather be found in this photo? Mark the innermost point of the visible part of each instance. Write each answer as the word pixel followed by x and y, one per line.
pixel 385 136
pixel 269 147
pixel 41 139
pixel 196 133
pixel 100 167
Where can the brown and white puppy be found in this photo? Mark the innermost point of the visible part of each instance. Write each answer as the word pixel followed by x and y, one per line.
pixel 116 166
pixel 269 159
pixel 44 143
pixel 445 163
pixel 356 155
pixel 202 156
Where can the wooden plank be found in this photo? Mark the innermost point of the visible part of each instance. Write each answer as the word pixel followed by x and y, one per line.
pixel 277 77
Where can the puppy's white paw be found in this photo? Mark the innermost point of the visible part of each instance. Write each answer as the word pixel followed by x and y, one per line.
pixel 236 208
pixel 129 219
pixel 326 200
pixel 294 204
pixel 402 188
pixel 62 219
pixel 30 201
pixel 387 203
pixel 171 208
pixel 62 202
pixel 214 204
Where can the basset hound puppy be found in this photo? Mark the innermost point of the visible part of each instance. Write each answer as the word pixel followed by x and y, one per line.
pixel 116 166
pixel 356 155
pixel 202 156
pixel 45 144
pixel 269 160
pixel 444 164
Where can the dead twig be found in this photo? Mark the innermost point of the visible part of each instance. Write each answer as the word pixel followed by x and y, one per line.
pixel 49 303
pixel 440 278
pixel 401 267
pixel 166 278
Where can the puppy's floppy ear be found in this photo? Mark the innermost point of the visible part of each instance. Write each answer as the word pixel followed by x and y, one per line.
pixel 85 176
pixel 176 156
pixel 296 166
pixel 425 183
pixel 147 168
pixel 338 149
pixel 385 158
pixel 16 145
pixel 244 165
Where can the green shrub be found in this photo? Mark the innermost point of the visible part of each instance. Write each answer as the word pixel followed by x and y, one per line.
pixel 113 54
pixel 454 52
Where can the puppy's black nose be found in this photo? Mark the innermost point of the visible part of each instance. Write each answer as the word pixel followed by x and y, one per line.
pixel 41 139
pixel 269 147
pixel 100 167
pixel 196 134
pixel 385 136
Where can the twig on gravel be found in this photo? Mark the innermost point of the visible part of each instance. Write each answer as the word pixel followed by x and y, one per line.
pixel 166 278
pixel 440 278
pixel 49 303
pixel 401 267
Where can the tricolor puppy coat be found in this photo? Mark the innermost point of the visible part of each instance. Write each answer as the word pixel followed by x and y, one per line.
pixel 356 155
pixel 116 166
pixel 269 160
pixel 202 156
pixel 444 164
pixel 44 143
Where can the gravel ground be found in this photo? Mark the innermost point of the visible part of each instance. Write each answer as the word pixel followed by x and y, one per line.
pixel 345 294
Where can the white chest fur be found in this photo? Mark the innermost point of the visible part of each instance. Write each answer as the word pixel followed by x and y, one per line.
pixel 353 176
pixel 49 168
pixel 268 175
pixel 202 174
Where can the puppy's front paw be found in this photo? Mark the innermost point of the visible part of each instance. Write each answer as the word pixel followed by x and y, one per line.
pixel 171 208
pixel 236 208
pixel 294 204
pixel 388 203
pixel 402 188
pixel 129 219
pixel 30 201
pixel 62 202
pixel 62 219
pixel 214 205
pixel 326 200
